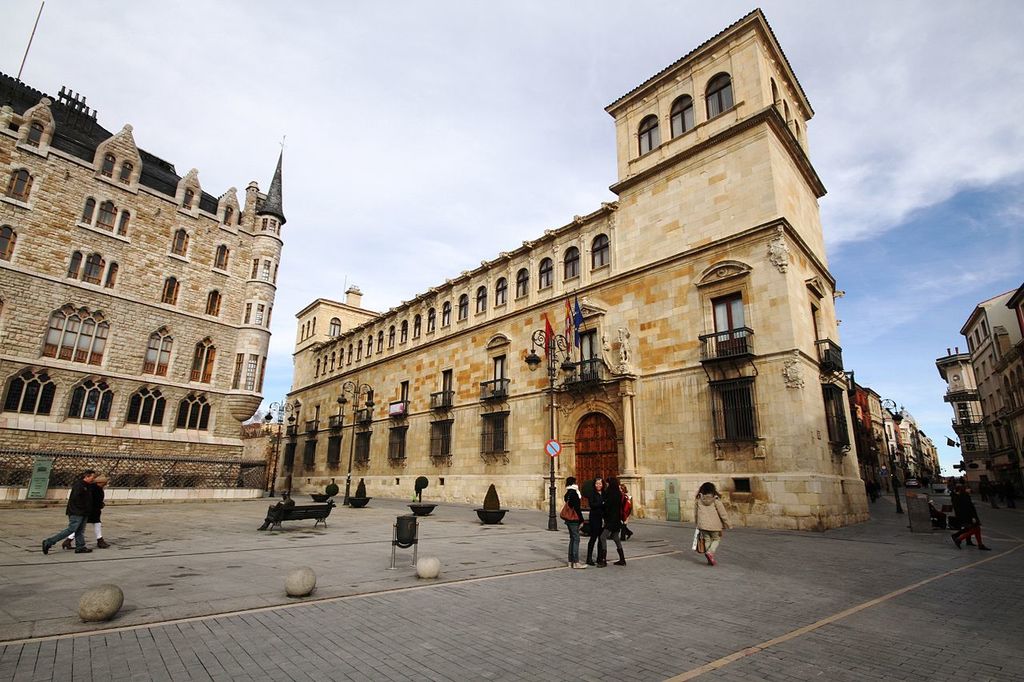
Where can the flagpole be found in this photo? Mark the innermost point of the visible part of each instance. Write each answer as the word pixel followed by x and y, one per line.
pixel 30 38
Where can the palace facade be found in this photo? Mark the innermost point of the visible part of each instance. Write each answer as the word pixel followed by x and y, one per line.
pixel 708 345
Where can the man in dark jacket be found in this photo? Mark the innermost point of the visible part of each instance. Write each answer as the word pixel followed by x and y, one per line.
pixel 78 509
pixel 967 515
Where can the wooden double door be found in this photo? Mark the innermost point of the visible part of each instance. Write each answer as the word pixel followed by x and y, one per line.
pixel 597 451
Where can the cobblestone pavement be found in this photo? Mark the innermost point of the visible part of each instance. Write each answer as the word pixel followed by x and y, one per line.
pixel 867 602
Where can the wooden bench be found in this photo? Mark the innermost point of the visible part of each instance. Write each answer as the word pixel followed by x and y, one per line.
pixel 320 512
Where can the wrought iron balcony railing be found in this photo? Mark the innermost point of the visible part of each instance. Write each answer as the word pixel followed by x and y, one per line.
pixel 291 430
pixel 496 389
pixel 830 356
pixel 312 425
pixel 442 400
pixel 335 421
pixel 735 343
pixel 364 415
pixel 585 373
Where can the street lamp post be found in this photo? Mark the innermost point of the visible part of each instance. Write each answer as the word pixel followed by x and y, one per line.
pixel 555 346
pixel 276 408
pixel 890 406
pixel 354 389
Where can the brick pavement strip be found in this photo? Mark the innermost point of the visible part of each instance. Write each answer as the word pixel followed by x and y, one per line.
pixel 660 616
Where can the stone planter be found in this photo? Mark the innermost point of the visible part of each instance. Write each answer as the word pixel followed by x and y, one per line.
pixel 491 516
pixel 320 498
pixel 358 502
pixel 422 508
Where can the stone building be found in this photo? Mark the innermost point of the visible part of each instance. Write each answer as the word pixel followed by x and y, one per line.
pixel 134 306
pixel 707 350
pixel 963 397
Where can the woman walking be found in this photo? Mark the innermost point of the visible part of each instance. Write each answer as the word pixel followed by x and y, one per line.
pixel 572 499
pixel 711 518
pixel 595 500
pixel 967 516
pixel 613 517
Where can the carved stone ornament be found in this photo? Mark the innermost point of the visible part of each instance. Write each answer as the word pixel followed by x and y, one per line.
pixel 792 373
pixel 625 354
pixel 778 251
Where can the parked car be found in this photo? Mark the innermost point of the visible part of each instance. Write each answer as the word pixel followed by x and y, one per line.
pixel 912 483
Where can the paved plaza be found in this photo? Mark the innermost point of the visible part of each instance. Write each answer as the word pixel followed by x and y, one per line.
pixel 204 599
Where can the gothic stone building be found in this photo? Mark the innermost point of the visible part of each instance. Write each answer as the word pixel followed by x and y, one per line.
pixel 709 346
pixel 134 306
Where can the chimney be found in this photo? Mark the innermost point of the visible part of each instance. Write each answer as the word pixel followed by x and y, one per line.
pixel 947 351
pixel 957 350
pixel 353 296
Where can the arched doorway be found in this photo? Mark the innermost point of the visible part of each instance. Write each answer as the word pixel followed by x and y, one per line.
pixel 597 452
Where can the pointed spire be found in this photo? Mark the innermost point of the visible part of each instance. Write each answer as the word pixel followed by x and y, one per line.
pixel 272 204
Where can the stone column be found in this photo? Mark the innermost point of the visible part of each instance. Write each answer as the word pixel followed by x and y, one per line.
pixel 626 392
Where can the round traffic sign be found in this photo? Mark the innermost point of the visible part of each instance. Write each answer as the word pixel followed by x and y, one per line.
pixel 553 447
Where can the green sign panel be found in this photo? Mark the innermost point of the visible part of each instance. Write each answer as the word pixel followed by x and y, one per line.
pixel 672 499
pixel 40 477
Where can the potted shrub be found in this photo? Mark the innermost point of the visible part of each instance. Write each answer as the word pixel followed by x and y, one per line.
pixel 419 508
pixel 360 499
pixel 492 511
pixel 330 491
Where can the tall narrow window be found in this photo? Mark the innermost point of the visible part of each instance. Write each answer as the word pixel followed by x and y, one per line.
pixel 417 326
pixel 599 251
pixel 463 306
pixel 260 310
pixel 501 292
pixel 369 345
pixel 194 413
pixel 106 217
pixel 93 268
pixel 572 262
pixel 169 294
pixel 158 354
pixel 733 411
pixel 349 354
pixel 75 265
pixel 248 317
pixel 522 282
pixel 220 261
pixel 493 434
pixel 213 303
pixel 126 172
pixel 111 276
pixel 719 94
pixel 30 393
pixel 481 299
pixel 265 274
pixel 359 350
pixel 446 314
pixel 380 341
pixel 189 198
pixel 405 332
pixel 251 368
pixel 20 185
pixel 7 239
pixel 122 225
pixel 431 320
pixel 396 442
pixel 229 215
pixel 91 400
pixel 545 275
pixel 682 115
pixel 180 244
pixel 202 361
pixel 835 415
pixel 35 134
pixel 107 169
pixel 391 336
pixel 649 134
pixel 88 211
pixel 146 407
pixel 731 334
pixel 255 268
pixel 334 328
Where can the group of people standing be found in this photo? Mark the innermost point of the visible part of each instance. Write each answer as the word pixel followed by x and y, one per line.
pixel 610 507
pixel 85 504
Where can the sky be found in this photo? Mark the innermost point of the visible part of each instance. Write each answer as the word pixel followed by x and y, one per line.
pixel 422 138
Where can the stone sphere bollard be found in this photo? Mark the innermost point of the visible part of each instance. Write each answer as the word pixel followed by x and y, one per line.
pixel 300 582
pixel 100 603
pixel 428 567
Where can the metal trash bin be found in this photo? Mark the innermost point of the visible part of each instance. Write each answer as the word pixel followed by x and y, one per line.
pixel 406 535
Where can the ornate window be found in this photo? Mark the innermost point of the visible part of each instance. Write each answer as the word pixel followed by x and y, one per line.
pixel 122 225
pixel 546 273
pixel 30 393
pixel 88 211
pixel 75 265
pixel 158 353
pixel 572 262
pixel 146 407
pixel 681 118
pixel 220 260
pixel 649 134
pixel 111 276
pixel 106 216
pixel 194 412
pixel 202 361
pixel 417 326
pixel 78 336
pixel 391 337
pixel 169 294
pixel 107 169
pixel 7 239
pixel 446 314
pixel 481 299
pixel 179 246
pixel 501 292
pixel 431 320
pixel 463 306
pixel 334 328
pixel 93 271
pixel 126 172
pixel 522 282
pixel 190 196
pixel 20 185
pixel 405 332
pixel 213 303
pixel 35 134
pixel 599 251
pixel 719 94
pixel 91 400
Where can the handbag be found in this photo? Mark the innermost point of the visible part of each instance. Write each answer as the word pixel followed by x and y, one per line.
pixel 568 514
pixel 698 541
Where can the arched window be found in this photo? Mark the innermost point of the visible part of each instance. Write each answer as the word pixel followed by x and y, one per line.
pixel 545 275
pixel 380 341
pixel 158 353
pixel 404 336
pixel 220 261
pixel 91 400
pixel 75 265
pixel 334 328
pixel 106 216
pixel 229 215
pixel 431 320
pixel 522 282
pixel 446 314
pixel 775 91
pixel 30 393
pixel 122 225
pixel 599 251
pixel 169 294
pixel 146 407
pixel 350 353
pixel 108 165
pixel 74 336
pixel 35 134
pixel 719 94
pixel 369 345
pixel 391 336
pixel 463 306
pixel 190 196
pixel 202 361
pixel 785 111
pixel 334 359
pixel 111 276
pixel 126 172
pixel 90 208
pixel 501 292
pixel 7 239
pixel 481 299
pixel 316 372
pixel 417 326
pixel 93 271
pixel 213 303
pixel 193 413
pixel 681 118
pixel 649 134
pixel 20 185
pixel 572 262
pixel 359 350
pixel 180 244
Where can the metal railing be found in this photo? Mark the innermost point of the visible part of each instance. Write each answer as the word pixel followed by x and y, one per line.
pixel 585 373
pixel 728 344
pixel 442 400
pixel 830 355
pixel 494 389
